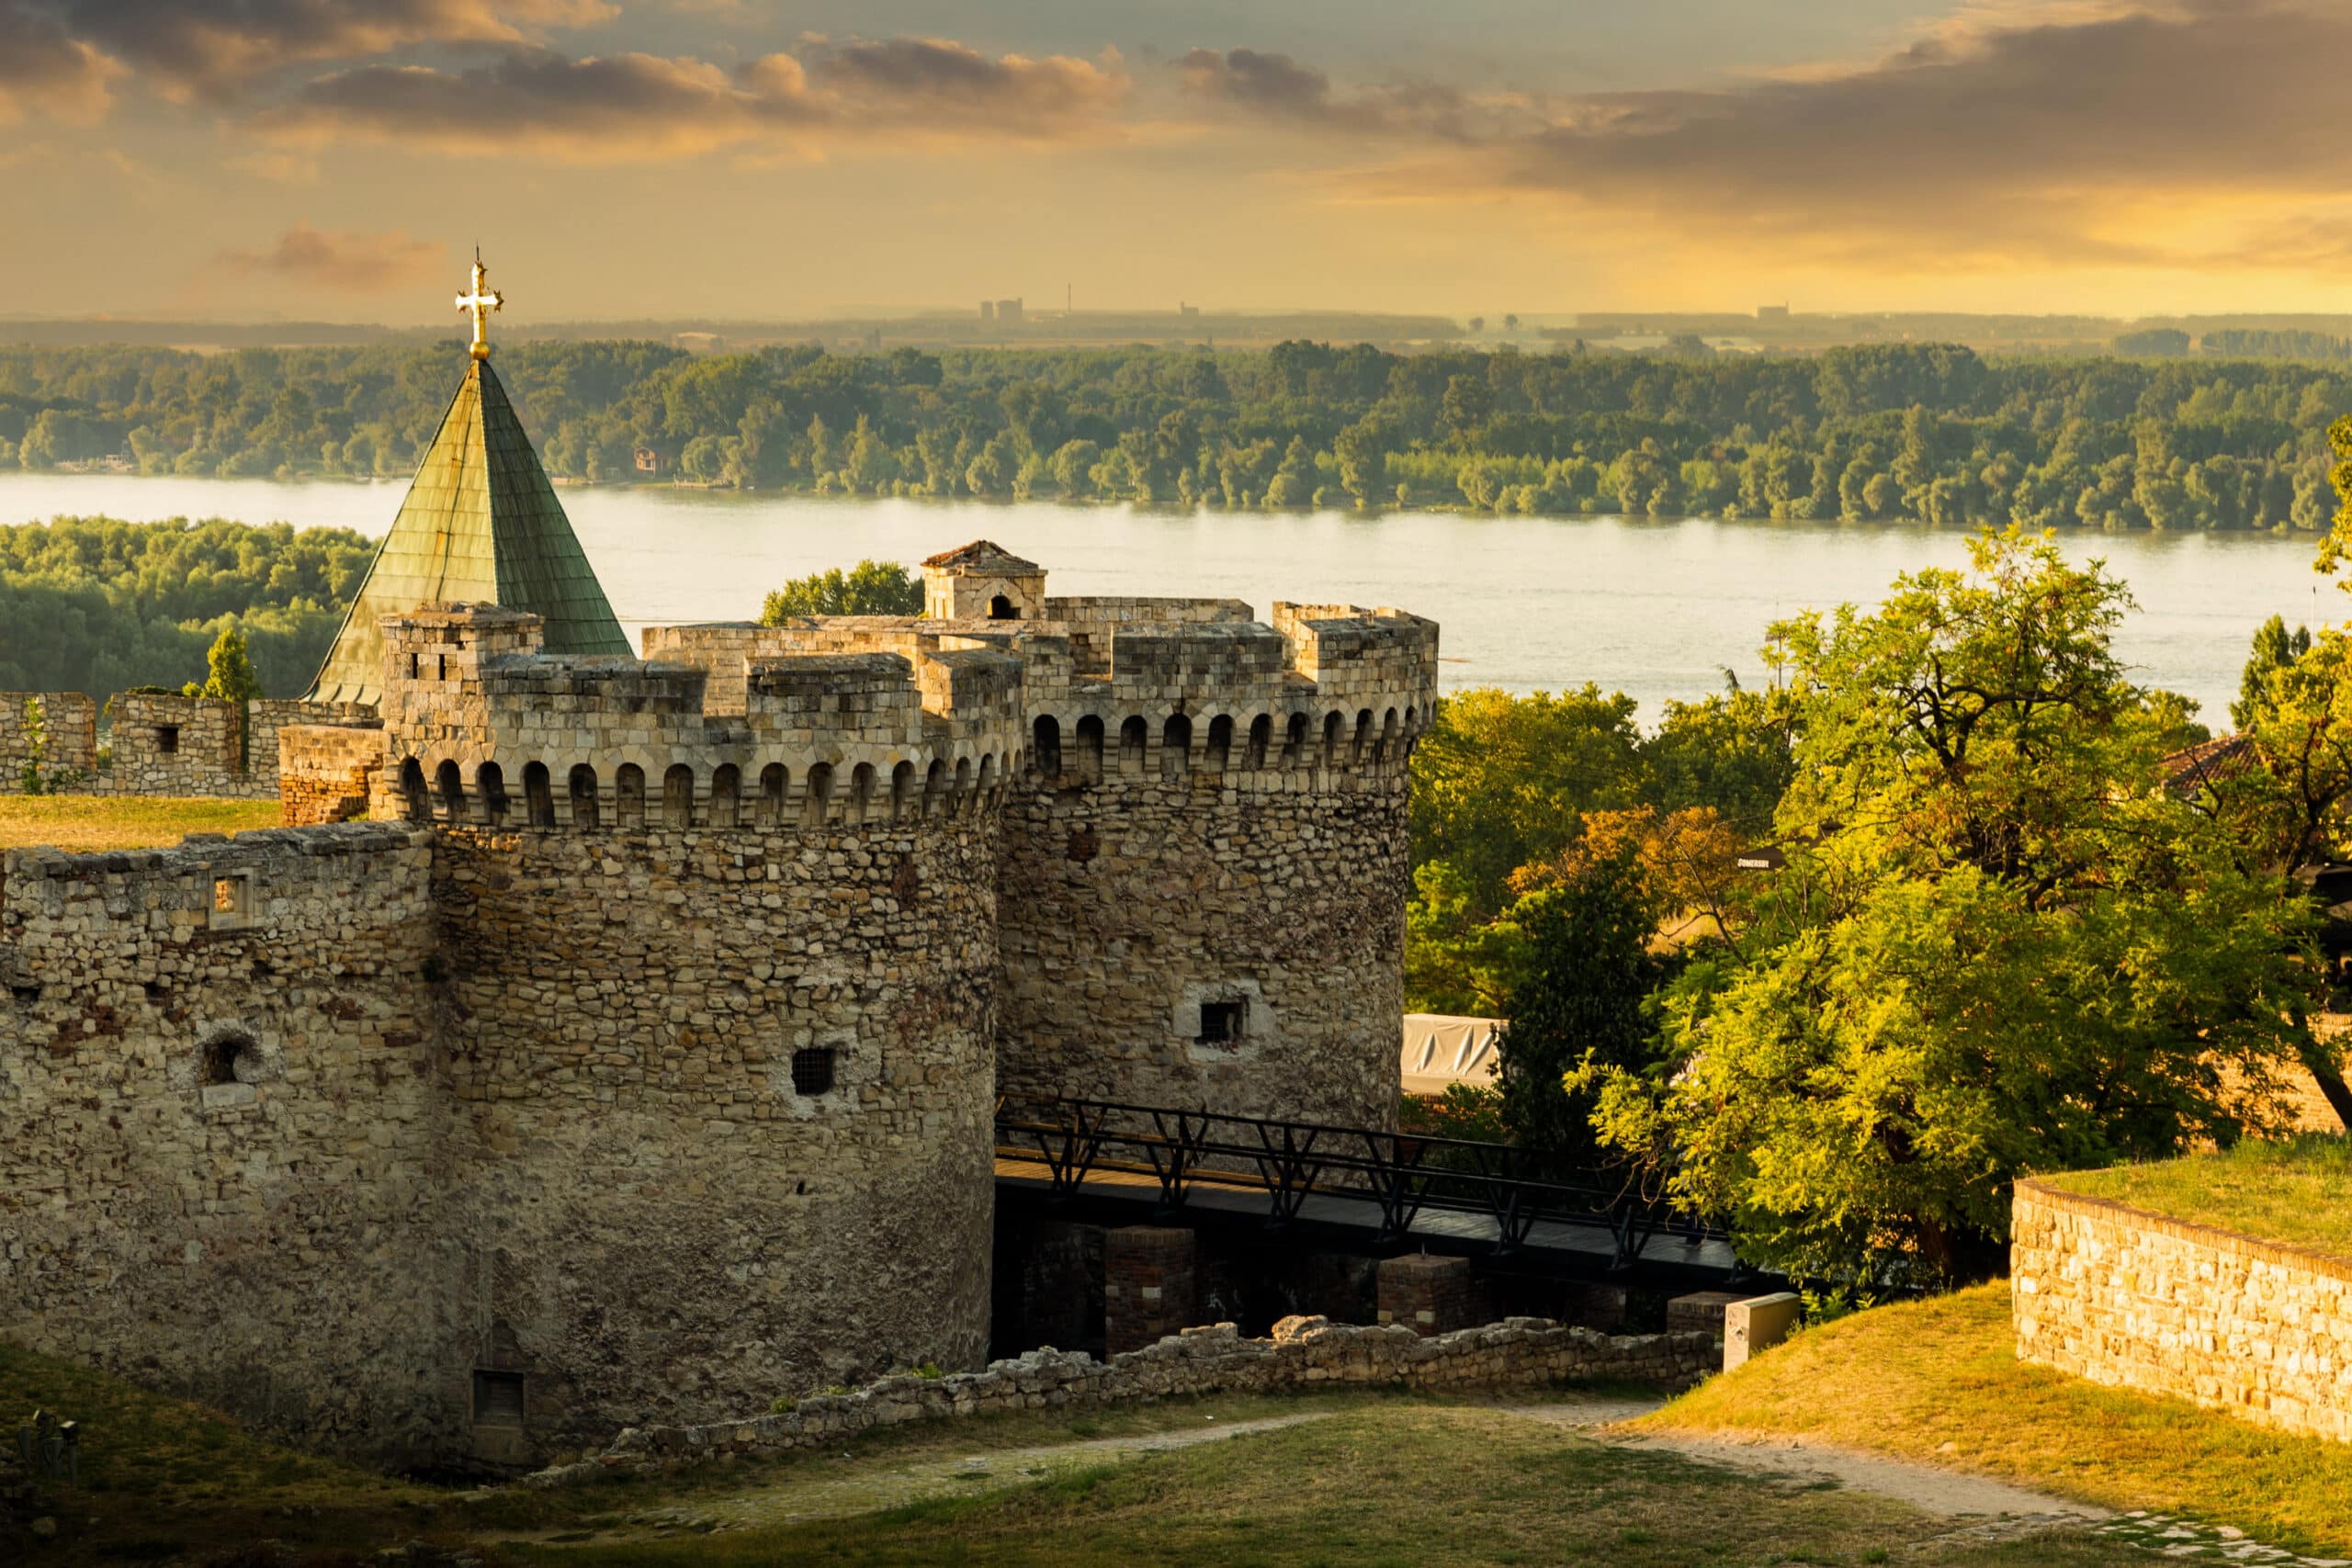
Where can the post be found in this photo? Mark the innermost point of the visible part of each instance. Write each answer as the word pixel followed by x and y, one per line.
pixel 1149 1285
pixel 1756 1325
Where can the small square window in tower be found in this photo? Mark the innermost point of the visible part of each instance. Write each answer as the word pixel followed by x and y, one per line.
pixel 167 738
pixel 1223 1023
pixel 498 1399
pixel 812 1070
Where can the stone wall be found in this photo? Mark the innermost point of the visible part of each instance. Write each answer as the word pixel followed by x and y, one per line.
pixel 1305 1354
pixel 327 773
pixel 1135 905
pixel 232 1187
pixel 66 750
pixel 2261 1329
pixel 160 743
pixel 672 1214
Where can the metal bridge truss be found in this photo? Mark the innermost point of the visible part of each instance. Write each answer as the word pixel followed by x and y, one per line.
pixel 1405 1174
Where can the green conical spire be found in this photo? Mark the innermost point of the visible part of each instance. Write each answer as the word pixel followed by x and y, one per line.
pixel 481 525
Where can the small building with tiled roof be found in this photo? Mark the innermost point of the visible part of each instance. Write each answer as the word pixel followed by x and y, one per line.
pixel 983 580
pixel 2192 770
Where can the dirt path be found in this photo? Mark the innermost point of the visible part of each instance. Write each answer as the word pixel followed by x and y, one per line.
pixel 811 1494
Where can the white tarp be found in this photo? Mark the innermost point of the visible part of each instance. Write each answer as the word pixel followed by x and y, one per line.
pixel 1442 1049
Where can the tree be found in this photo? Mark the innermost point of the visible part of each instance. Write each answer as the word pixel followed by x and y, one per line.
pixel 1998 946
pixel 2275 648
pixel 1583 975
pixel 869 588
pixel 230 668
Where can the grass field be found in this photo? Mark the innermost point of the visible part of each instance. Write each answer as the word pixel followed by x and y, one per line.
pixel 1939 1381
pixel 1367 1478
pixel 2299 1191
pixel 122 822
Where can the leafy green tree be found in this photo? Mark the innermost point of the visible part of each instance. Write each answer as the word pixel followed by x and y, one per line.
pixel 1999 945
pixel 1498 781
pixel 2275 648
pixel 869 588
pixel 1584 971
pixel 228 670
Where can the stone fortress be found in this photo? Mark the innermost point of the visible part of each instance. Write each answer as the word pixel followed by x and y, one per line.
pixel 636 1059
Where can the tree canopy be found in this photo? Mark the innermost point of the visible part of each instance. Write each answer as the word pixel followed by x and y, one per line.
pixel 869 588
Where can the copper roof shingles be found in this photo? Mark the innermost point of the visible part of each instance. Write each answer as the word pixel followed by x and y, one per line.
pixel 480 524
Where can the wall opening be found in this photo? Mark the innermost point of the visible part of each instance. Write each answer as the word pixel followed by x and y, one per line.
pixel 1331 741
pixel 861 791
pixel 1090 750
pixel 902 790
pixel 1047 731
pixel 1002 608
pixel 584 797
pixel 413 798
pixel 817 794
pixel 935 785
pixel 228 1056
pixel 813 1068
pixel 1262 737
pixel 450 785
pixel 1220 752
pixel 1133 733
pixel 498 1399
pixel 773 780
pixel 628 797
pixel 726 796
pixel 490 785
pixel 678 796
pixel 1175 747
pixel 1224 1022
pixel 538 796
pixel 232 901
pixel 1363 740
pixel 167 738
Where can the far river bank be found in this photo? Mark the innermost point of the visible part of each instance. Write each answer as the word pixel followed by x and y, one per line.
pixel 1656 608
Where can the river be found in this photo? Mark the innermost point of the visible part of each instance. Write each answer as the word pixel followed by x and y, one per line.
pixel 1658 608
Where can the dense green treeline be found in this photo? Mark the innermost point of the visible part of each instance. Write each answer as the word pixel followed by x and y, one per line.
pixel 95 604
pixel 1924 431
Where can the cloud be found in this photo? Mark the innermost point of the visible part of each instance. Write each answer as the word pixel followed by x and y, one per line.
pixel 2005 134
pixel 1277 87
pixel 44 67
pixel 339 261
pixel 634 108
pixel 211 50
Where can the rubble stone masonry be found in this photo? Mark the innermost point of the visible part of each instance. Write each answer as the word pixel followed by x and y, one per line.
pixel 2261 1329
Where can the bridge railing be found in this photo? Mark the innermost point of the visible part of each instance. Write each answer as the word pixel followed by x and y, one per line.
pixel 1406 1173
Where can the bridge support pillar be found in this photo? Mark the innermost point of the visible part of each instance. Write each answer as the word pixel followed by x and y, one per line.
pixel 1430 1296
pixel 1150 1285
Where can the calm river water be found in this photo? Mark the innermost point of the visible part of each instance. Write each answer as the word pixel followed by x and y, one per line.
pixel 1654 608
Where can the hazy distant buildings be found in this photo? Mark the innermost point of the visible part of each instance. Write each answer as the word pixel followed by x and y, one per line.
pixel 1771 312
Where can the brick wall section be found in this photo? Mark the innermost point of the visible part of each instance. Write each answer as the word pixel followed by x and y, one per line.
pixel 1430 1296
pixel 326 773
pixel 1304 1353
pixel 1150 1284
pixel 2261 1329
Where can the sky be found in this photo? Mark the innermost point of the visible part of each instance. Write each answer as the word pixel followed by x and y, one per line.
pixel 339 159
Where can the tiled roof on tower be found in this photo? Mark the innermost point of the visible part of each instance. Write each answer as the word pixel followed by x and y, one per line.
pixel 981 555
pixel 481 525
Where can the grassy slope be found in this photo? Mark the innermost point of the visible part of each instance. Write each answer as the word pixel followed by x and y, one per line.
pixel 2299 1193
pixel 1414 1486
pixel 1910 1379
pixel 1383 1480
pixel 128 822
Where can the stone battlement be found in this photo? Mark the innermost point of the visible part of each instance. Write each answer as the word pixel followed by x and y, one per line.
pixel 472 707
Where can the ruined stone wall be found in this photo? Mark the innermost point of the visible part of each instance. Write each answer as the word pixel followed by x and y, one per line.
pixel 672 1222
pixel 327 773
pixel 1133 904
pixel 221 1173
pixel 2261 1329
pixel 64 750
pixel 1304 1353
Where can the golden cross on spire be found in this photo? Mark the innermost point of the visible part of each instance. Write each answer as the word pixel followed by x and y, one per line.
pixel 482 301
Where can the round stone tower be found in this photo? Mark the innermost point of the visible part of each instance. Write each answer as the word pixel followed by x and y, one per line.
pixel 722 1006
